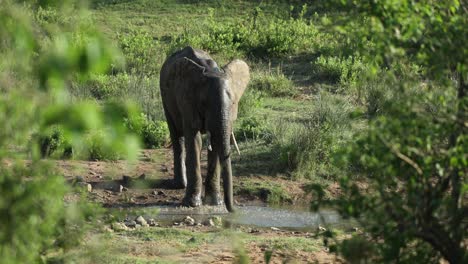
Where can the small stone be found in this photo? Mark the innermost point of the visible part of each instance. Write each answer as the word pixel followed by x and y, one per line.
pixel 131 224
pixel 138 226
pixel 141 220
pixel 117 226
pixel 321 229
pixel 253 230
pixel 152 222
pixel 218 221
pixel 209 222
pixel 275 228
pixel 79 179
pixel 161 193
pixel 121 188
pixel 176 224
pixel 189 221
pixel 85 186
pixel 355 229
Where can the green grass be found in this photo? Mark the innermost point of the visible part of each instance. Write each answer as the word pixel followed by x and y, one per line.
pixel 271 192
pixel 169 245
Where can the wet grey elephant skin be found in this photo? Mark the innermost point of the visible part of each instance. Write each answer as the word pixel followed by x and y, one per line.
pixel 198 98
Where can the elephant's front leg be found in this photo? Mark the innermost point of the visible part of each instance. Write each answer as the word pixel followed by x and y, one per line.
pixel 212 188
pixel 193 143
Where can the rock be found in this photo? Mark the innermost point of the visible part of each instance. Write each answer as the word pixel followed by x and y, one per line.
pixel 253 230
pixel 176 224
pixel 218 221
pixel 321 229
pixel 117 226
pixel 121 188
pixel 85 186
pixel 209 222
pixel 141 220
pixel 189 221
pixel 142 176
pixel 275 228
pixel 79 179
pixel 152 222
pixel 131 224
pixel 161 193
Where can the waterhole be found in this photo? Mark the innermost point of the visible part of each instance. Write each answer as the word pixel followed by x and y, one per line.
pixel 291 218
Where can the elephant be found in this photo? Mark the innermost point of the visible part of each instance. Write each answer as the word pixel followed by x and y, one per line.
pixel 200 98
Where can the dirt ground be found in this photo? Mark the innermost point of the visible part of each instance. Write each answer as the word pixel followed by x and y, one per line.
pixel 147 183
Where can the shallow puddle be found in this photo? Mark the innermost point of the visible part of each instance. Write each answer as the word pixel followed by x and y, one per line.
pixel 252 216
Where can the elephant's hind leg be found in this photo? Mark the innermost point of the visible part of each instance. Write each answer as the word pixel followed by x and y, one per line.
pixel 193 144
pixel 180 175
pixel 212 185
pixel 178 149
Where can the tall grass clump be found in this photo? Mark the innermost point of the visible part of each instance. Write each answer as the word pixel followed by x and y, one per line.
pixel 273 83
pixel 306 147
pixel 344 71
pixel 154 134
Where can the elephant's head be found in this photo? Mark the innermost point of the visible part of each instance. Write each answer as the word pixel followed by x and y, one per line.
pixel 219 93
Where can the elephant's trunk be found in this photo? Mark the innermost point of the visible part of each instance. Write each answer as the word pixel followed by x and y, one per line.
pixel 225 161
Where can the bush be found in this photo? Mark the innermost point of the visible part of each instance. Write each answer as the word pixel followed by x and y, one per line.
pixel 54 142
pixel 306 149
pixel 141 89
pixel 249 103
pixel 154 134
pixel 143 54
pixel 253 128
pixel 98 147
pixel 274 84
pixel 338 70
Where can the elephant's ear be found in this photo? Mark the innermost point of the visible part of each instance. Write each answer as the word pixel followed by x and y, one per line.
pixel 239 76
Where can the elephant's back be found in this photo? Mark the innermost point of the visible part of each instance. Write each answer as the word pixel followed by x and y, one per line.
pixel 199 56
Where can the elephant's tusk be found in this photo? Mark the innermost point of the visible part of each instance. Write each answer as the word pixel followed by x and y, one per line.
pixel 235 143
pixel 208 136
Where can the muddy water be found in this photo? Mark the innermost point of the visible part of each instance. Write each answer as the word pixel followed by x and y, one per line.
pixel 252 216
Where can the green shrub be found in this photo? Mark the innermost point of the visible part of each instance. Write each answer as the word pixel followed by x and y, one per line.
pixel 249 103
pixel 338 70
pixel 98 147
pixel 252 127
pixel 143 90
pixel 154 134
pixel 273 83
pixel 306 149
pixel 54 142
pixel 143 54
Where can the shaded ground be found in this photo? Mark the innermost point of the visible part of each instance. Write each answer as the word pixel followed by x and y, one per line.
pixel 148 182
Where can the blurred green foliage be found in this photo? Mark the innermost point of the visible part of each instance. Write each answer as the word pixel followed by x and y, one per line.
pixel 45 45
pixel 413 154
pixel 154 134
